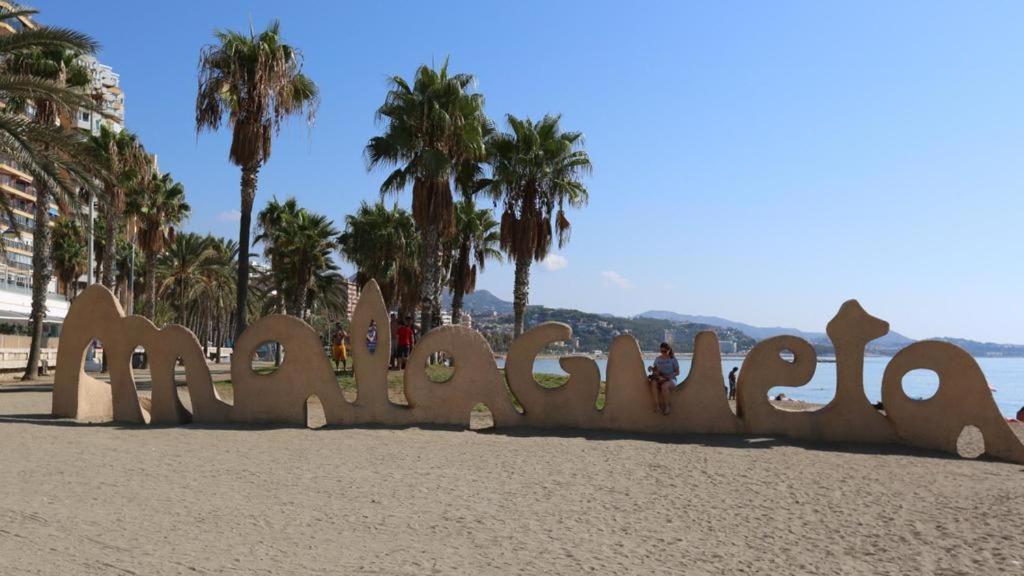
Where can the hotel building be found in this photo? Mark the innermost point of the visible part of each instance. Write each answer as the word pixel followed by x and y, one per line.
pixel 17 187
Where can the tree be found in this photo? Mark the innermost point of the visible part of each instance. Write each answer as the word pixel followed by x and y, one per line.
pixel 158 206
pixel 253 82
pixel 215 295
pixel 125 165
pixel 536 171
pixel 384 246
pixel 181 271
pixel 298 243
pixel 434 138
pixel 475 242
pixel 68 252
pixel 39 75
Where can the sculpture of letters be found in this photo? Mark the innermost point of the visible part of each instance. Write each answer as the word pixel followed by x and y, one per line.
pixel 962 399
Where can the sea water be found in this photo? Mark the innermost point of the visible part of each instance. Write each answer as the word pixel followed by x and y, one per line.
pixel 1005 375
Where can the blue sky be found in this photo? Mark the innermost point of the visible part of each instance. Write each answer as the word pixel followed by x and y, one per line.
pixel 754 160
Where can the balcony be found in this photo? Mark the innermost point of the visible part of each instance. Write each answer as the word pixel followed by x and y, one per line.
pixel 17 244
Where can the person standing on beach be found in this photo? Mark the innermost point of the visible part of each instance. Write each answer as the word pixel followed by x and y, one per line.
pixel 732 382
pixel 663 378
pixel 371 337
pixel 404 337
pixel 338 351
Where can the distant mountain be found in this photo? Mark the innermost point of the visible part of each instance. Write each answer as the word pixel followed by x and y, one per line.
pixel 479 302
pixel 990 349
pixel 890 340
pixel 483 302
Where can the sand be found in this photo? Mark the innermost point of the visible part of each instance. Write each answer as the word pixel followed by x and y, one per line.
pixel 192 500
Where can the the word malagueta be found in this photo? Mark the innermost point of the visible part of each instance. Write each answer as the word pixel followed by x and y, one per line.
pixel 963 397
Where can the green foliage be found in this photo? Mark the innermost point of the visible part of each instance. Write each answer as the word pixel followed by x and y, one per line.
pixel 68 251
pixel 434 137
pixel 383 245
pixel 253 82
pixel 299 245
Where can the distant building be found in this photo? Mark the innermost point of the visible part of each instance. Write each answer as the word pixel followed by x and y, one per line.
pixel 466 320
pixel 17 186
pixel 669 337
pixel 727 346
pixel 105 89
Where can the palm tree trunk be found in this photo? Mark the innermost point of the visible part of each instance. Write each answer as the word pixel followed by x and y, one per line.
pixel 430 287
pixel 459 282
pixel 181 303
pixel 40 279
pixel 521 293
pixel 150 281
pixel 109 253
pixel 218 335
pixel 250 175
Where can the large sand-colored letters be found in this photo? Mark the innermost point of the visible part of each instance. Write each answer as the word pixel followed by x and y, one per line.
pixel 699 403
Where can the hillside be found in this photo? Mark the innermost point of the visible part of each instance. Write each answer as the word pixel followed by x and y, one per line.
pixel 890 340
pixel 595 332
pixel 478 302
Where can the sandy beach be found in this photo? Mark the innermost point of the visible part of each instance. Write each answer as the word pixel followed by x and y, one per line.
pixel 108 499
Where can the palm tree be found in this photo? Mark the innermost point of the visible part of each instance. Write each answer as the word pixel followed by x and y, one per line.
pixel 126 165
pixel 299 244
pixel 39 74
pixel 475 242
pixel 536 170
pixel 434 137
pixel 217 290
pixel 255 81
pixel 68 253
pixel 181 271
pixel 158 206
pixel 384 246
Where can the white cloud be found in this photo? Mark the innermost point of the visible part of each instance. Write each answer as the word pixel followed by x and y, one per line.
pixel 612 278
pixel 554 262
pixel 229 216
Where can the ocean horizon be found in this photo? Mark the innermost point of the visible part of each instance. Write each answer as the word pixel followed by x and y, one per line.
pixel 1004 375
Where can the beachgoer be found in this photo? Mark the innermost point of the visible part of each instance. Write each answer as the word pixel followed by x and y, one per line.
pixel 394 340
pixel 404 339
pixel 663 378
pixel 371 337
pixel 339 352
pixel 732 382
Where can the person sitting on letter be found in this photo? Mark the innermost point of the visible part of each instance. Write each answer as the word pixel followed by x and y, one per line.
pixel 663 378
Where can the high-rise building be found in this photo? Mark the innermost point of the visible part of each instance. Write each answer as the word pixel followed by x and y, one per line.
pixel 17 187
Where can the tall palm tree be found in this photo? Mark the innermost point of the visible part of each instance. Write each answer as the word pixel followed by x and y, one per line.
pixel 299 244
pixel 475 242
pixel 536 171
pixel 253 82
pixel 434 138
pixel 126 165
pixel 39 74
pixel 384 246
pixel 181 271
pixel 68 252
pixel 158 207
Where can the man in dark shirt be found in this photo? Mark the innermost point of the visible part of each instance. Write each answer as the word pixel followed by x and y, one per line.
pixel 732 382
pixel 404 338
